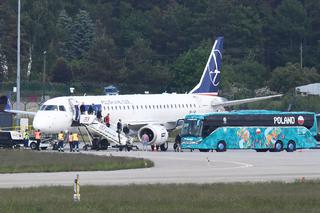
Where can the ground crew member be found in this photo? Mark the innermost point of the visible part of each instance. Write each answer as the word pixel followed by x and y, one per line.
pixel 37 136
pixel 26 138
pixel 70 140
pixel 60 143
pixel 75 140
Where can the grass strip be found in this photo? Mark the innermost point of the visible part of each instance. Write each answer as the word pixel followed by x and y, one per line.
pixel 239 197
pixel 18 161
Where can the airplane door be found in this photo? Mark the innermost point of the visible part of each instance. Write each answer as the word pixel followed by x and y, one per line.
pixel 74 109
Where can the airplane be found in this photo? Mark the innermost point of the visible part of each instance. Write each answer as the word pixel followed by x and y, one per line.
pixel 154 114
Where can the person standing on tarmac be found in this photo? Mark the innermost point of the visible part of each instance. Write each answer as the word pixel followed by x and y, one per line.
pixel 70 140
pixel 75 140
pixel 37 136
pixel 26 138
pixel 119 129
pixel 60 143
pixel 145 141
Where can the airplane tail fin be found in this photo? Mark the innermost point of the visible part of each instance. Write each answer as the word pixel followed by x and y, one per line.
pixel 5 103
pixel 210 79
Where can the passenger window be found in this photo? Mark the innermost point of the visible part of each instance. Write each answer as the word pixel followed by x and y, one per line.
pixel 115 107
pixel 182 106
pixel 108 108
pixel 61 108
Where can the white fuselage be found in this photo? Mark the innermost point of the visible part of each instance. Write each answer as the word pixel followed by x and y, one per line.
pixel 134 110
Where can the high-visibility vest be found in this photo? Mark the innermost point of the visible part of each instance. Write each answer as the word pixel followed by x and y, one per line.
pixel 26 135
pixel 75 137
pixel 70 139
pixel 37 135
pixel 60 137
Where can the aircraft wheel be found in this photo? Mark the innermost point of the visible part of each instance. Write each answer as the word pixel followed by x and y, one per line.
pixel 221 146
pixel 204 150
pixel 291 146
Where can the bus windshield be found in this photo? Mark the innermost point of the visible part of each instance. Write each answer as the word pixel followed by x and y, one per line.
pixel 191 127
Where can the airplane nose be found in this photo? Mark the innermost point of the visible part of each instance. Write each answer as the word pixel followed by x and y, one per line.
pixel 40 123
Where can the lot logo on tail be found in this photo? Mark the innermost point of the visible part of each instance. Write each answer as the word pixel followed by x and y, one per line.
pixel 210 78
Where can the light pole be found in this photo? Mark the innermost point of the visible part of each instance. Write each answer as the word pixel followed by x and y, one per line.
pixel 18 63
pixel 44 75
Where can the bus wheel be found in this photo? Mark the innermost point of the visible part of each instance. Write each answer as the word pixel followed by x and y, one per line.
pixel 221 147
pixel 278 146
pixel 291 146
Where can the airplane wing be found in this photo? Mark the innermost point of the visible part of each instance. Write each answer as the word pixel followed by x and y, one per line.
pixel 244 101
pixel 20 112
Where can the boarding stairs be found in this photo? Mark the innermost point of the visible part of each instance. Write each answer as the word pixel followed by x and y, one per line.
pixel 91 123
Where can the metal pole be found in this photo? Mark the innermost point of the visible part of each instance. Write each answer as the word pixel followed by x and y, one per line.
pixel 18 62
pixel 301 55
pixel 44 75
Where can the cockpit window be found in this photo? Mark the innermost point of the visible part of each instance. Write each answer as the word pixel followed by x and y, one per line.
pixel 49 108
pixel 61 108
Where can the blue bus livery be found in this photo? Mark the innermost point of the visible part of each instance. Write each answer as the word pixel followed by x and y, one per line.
pixel 261 130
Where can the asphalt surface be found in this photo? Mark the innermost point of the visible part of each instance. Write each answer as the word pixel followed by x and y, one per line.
pixel 187 167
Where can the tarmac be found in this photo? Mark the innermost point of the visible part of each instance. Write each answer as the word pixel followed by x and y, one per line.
pixel 187 167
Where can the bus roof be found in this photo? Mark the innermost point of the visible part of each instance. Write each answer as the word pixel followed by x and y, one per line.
pixel 246 112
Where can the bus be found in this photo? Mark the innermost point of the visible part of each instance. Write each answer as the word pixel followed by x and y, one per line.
pixel 262 130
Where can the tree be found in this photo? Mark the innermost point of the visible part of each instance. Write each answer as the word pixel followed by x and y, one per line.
pixel 189 67
pixel 105 62
pixel 82 35
pixel 142 66
pixel 285 78
pixel 61 72
pixel 64 26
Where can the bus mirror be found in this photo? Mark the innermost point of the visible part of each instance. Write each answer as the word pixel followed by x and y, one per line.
pixel 179 122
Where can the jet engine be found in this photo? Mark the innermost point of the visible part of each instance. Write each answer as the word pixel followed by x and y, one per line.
pixel 158 134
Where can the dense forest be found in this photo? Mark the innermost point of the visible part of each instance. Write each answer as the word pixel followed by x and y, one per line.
pixel 163 45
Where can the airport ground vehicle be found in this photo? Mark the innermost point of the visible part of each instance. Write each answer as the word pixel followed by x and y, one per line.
pixel 14 139
pixel 261 130
pixel 43 145
pixel 10 139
